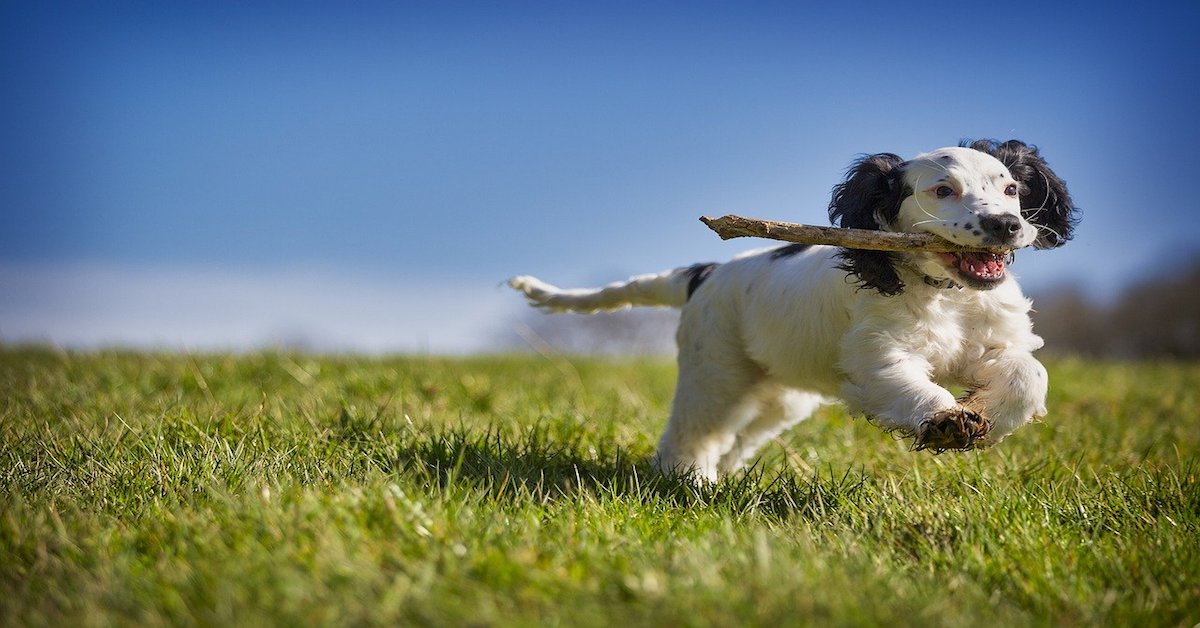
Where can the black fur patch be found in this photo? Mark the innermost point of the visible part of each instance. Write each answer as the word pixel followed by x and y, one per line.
pixel 697 273
pixel 870 198
pixel 788 251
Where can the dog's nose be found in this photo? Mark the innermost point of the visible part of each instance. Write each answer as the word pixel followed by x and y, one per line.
pixel 1003 227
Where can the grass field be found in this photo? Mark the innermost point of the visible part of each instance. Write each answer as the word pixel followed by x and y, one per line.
pixel 285 489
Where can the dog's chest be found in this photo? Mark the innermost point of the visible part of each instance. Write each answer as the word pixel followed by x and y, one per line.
pixel 953 335
pixel 946 332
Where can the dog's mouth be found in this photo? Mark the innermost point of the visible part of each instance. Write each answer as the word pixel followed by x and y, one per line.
pixel 977 269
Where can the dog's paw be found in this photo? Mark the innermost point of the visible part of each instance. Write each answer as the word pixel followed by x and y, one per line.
pixel 957 429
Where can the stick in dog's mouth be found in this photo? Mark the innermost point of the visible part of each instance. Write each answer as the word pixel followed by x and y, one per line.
pixel 979 260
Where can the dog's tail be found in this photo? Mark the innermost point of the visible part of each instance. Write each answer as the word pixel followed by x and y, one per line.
pixel 667 289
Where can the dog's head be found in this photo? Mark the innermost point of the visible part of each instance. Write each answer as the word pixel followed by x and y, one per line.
pixel 985 193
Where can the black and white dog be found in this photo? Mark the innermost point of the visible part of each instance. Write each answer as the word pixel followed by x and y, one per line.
pixel 770 336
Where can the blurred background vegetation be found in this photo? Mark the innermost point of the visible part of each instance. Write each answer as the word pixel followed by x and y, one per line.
pixel 1156 318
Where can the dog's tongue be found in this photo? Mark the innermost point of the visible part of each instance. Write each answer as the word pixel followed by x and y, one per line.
pixel 982 265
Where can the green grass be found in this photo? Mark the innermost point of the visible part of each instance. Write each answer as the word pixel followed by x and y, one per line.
pixel 158 489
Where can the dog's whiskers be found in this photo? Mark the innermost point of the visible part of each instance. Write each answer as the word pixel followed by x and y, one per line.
pixel 922 207
pixel 1031 214
pixel 1057 235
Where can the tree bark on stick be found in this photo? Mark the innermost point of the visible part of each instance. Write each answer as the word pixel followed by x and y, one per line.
pixel 732 226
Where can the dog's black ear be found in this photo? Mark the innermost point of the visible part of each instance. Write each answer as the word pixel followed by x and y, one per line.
pixel 870 198
pixel 1044 199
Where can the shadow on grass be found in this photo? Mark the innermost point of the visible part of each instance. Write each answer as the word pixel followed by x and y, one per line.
pixel 532 467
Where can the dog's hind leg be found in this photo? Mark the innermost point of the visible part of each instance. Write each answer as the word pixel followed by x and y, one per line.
pixel 713 400
pixel 779 409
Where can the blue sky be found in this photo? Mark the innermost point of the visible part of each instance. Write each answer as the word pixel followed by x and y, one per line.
pixel 365 175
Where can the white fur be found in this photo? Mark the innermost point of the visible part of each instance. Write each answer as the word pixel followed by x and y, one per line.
pixel 765 339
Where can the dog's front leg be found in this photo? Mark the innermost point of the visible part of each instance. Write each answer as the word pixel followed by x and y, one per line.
pixel 1009 389
pixel 894 387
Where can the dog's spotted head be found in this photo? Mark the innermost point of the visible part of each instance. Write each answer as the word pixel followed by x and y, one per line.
pixel 983 194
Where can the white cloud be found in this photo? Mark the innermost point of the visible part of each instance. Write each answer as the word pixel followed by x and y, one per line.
pixel 89 305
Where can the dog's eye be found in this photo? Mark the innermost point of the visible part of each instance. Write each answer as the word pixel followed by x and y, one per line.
pixel 944 191
pixel 1011 190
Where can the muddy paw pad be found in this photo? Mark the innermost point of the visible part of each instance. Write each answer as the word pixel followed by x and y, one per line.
pixel 958 428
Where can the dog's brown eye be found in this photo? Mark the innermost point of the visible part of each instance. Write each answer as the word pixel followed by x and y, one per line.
pixel 943 191
pixel 1011 190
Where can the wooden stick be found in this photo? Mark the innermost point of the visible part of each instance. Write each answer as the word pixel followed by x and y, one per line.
pixel 739 227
